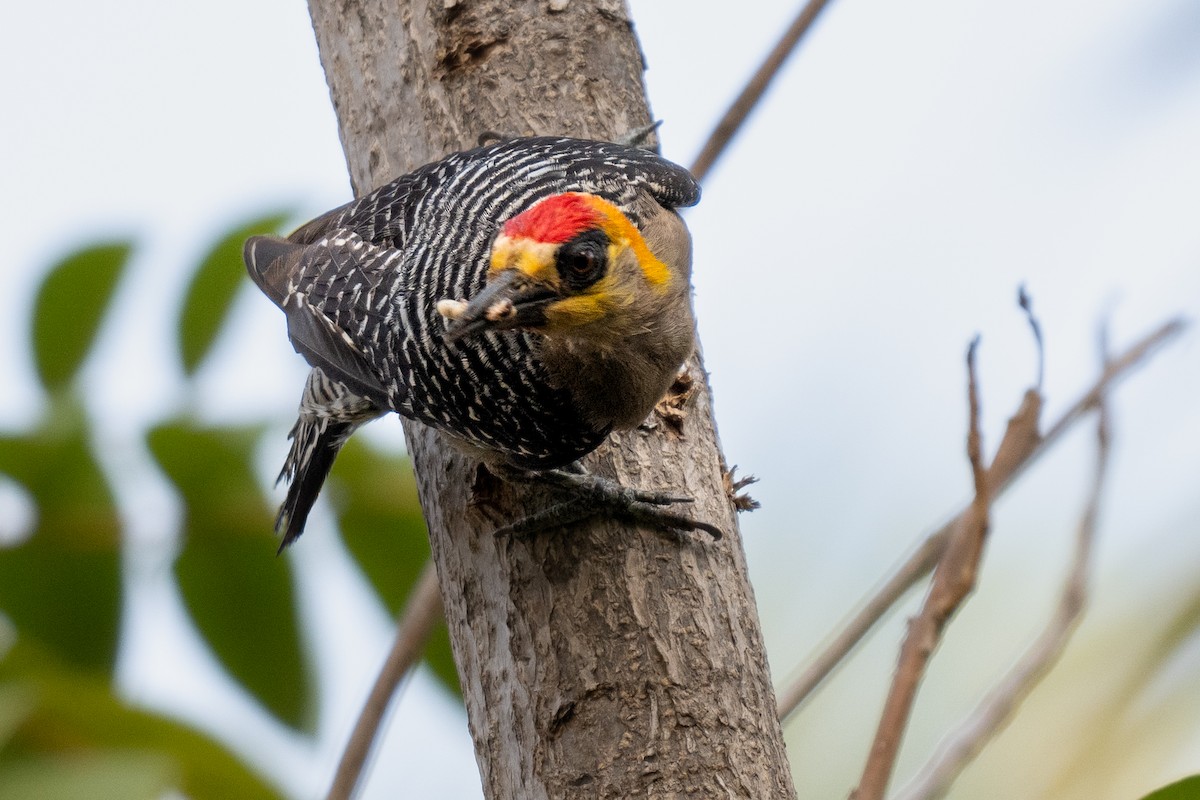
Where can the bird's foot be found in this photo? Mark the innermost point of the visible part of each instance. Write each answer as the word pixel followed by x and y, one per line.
pixel 595 496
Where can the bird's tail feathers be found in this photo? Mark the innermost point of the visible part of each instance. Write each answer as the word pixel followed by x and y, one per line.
pixel 315 444
pixel 329 414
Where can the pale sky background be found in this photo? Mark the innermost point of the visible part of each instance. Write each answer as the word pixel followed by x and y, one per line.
pixel 913 165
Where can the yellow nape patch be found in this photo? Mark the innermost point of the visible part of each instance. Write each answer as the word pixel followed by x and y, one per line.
pixel 622 232
pixel 656 271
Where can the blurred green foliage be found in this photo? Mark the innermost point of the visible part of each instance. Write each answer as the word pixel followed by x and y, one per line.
pixel 69 308
pixel 62 584
pixel 1186 789
pixel 212 289
pixel 64 731
pixel 237 592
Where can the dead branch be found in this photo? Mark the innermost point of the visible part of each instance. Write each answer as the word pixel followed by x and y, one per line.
pixel 1020 447
pixel 952 582
pixel 961 747
pixel 421 613
pixel 1026 304
pixel 736 114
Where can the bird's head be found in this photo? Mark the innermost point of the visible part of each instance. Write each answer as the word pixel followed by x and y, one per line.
pixel 573 265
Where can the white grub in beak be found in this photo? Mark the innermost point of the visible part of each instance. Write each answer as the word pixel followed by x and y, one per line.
pixel 451 309
pixel 499 310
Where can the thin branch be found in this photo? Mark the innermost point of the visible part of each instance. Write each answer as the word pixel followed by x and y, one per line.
pixel 421 614
pixel 903 578
pixel 1116 369
pixel 952 582
pixel 736 114
pixel 1020 448
pixel 1026 304
pixel 961 747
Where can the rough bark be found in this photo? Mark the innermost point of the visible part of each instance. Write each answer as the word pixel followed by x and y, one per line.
pixel 606 661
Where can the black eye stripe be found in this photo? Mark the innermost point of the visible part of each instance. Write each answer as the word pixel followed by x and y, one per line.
pixel 583 260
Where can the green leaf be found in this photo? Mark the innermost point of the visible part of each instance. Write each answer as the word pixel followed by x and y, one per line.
pixel 17 704
pixel 213 287
pixel 100 775
pixel 69 307
pixel 75 738
pixel 379 514
pixel 239 594
pixel 1186 789
pixel 375 498
pixel 62 584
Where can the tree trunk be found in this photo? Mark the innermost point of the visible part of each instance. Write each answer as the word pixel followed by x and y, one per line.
pixel 604 661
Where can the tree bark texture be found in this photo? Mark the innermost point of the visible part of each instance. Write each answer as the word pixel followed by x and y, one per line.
pixel 606 661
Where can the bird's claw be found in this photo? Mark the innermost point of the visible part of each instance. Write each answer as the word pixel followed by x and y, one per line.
pixel 593 496
pixel 660 498
pixel 639 136
pixel 635 505
pixel 558 516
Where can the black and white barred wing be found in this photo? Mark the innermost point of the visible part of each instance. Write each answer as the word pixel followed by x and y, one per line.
pixel 336 293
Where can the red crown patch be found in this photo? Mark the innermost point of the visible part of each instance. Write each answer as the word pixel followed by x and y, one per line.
pixel 555 219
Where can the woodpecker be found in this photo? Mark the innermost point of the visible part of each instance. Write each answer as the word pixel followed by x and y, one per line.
pixel 524 298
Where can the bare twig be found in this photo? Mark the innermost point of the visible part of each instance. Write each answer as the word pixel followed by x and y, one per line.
pixel 1117 368
pixel 935 779
pixel 736 114
pixel 1026 304
pixel 903 578
pixel 1020 447
pixel 952 582
pixel 421 613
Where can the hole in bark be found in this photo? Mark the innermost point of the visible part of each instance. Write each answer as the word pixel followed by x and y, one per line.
pixel 582 780
pixel 561 717
pixel 468 50
pixel 477 51
pixel 485 488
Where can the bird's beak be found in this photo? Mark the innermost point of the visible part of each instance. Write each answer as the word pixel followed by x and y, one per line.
pixel 508 300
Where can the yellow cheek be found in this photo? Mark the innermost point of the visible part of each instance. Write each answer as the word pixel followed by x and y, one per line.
pixel 602 301
pixel 575 311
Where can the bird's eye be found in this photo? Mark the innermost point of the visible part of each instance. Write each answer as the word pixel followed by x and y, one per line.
pixel 583 260
pixel 582 263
